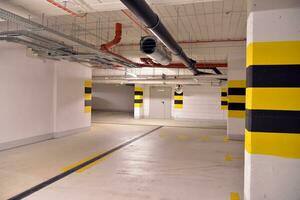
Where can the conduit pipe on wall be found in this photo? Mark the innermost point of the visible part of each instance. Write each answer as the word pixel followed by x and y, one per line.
pixel 151 20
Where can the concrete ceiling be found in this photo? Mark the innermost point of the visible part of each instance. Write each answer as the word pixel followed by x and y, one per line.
pixel 42 6
pixel 187 20
pixel 201 21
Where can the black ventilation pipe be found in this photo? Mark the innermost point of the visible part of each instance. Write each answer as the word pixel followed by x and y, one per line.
pixel 151 20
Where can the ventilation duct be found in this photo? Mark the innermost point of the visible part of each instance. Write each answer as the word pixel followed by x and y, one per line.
pixel 151 20
pixel 156 52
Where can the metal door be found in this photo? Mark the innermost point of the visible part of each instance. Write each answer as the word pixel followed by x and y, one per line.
pixel 160 102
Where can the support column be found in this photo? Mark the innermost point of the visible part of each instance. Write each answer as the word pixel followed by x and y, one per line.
pixel 138 102
pixel 224 98
pixel 236 98
pixel 272 146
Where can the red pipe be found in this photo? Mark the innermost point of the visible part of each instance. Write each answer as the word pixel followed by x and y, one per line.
pixel 65 8
pixel 149 62
pixel 116 40
pixel 180 65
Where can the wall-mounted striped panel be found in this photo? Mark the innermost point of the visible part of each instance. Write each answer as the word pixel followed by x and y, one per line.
pixel 138 97
pixel 273 99
pixel 178 100
pixel 236 98
pixel 88 96
pixel 224 98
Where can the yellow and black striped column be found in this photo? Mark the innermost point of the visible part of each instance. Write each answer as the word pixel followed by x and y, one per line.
pixel 138 97
pixel 236 98
pixel 273 99
pixel 178 100
pixel 88 96
pixel 224 98
pixel 272 136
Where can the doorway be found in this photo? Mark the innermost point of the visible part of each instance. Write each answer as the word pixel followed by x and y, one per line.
pixel 160 102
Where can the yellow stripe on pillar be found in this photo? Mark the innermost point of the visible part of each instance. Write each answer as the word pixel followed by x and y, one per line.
pixel 87 96
pixel 88 109
pixel 88 84
pixel 276 144
pixel 139 89
pixel 273 99
pixel 138 105
pixel 236 113
pixel 178 106
pixel 138 97
pixel 237 84
pixel 178 97
pixel 236 98
pixel 272 53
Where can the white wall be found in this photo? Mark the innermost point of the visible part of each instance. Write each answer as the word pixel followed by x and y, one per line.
pixel 70 96
pixel 26 85
pixel 38 97
pixel 200 102
pixel 113 97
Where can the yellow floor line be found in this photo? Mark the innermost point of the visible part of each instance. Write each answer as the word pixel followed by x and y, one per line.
pixel 234 196
pixel 182 137
pixel 83 161
pixel 226 139
pixel 204 138
pixel 229 157
pixel 91 165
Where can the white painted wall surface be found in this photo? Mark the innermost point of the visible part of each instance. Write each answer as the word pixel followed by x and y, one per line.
pixel 70 96
pixel 200 102
pixel 39 97
pixel 109 97
pixel 271 178
pixel 26 86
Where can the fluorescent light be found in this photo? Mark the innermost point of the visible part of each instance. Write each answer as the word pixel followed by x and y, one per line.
pixel 132 74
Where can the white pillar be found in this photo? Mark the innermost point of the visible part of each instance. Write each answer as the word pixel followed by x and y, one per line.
pixel 138 101
pixel 272 142
pixel 236 98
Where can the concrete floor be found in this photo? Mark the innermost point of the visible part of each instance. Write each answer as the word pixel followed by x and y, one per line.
pixel 127 118
pixel 170 163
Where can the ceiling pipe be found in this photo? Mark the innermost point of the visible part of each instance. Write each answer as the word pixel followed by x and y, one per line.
pixel 147 62
pixel 65 9
pixel 116 40
pixel 151 20
pixel 202 65
pixel 192 42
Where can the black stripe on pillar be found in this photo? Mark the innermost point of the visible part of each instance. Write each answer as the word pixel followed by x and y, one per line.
pixel 138 93
pixel 178 94
pixel 224 94
pixel 273 121
pixel 224 103
pixel 138 101
pixel 87 90
pixel 178 102
pixel 87 103
pixel 273 76
pixel 236 106
pixel 236 91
